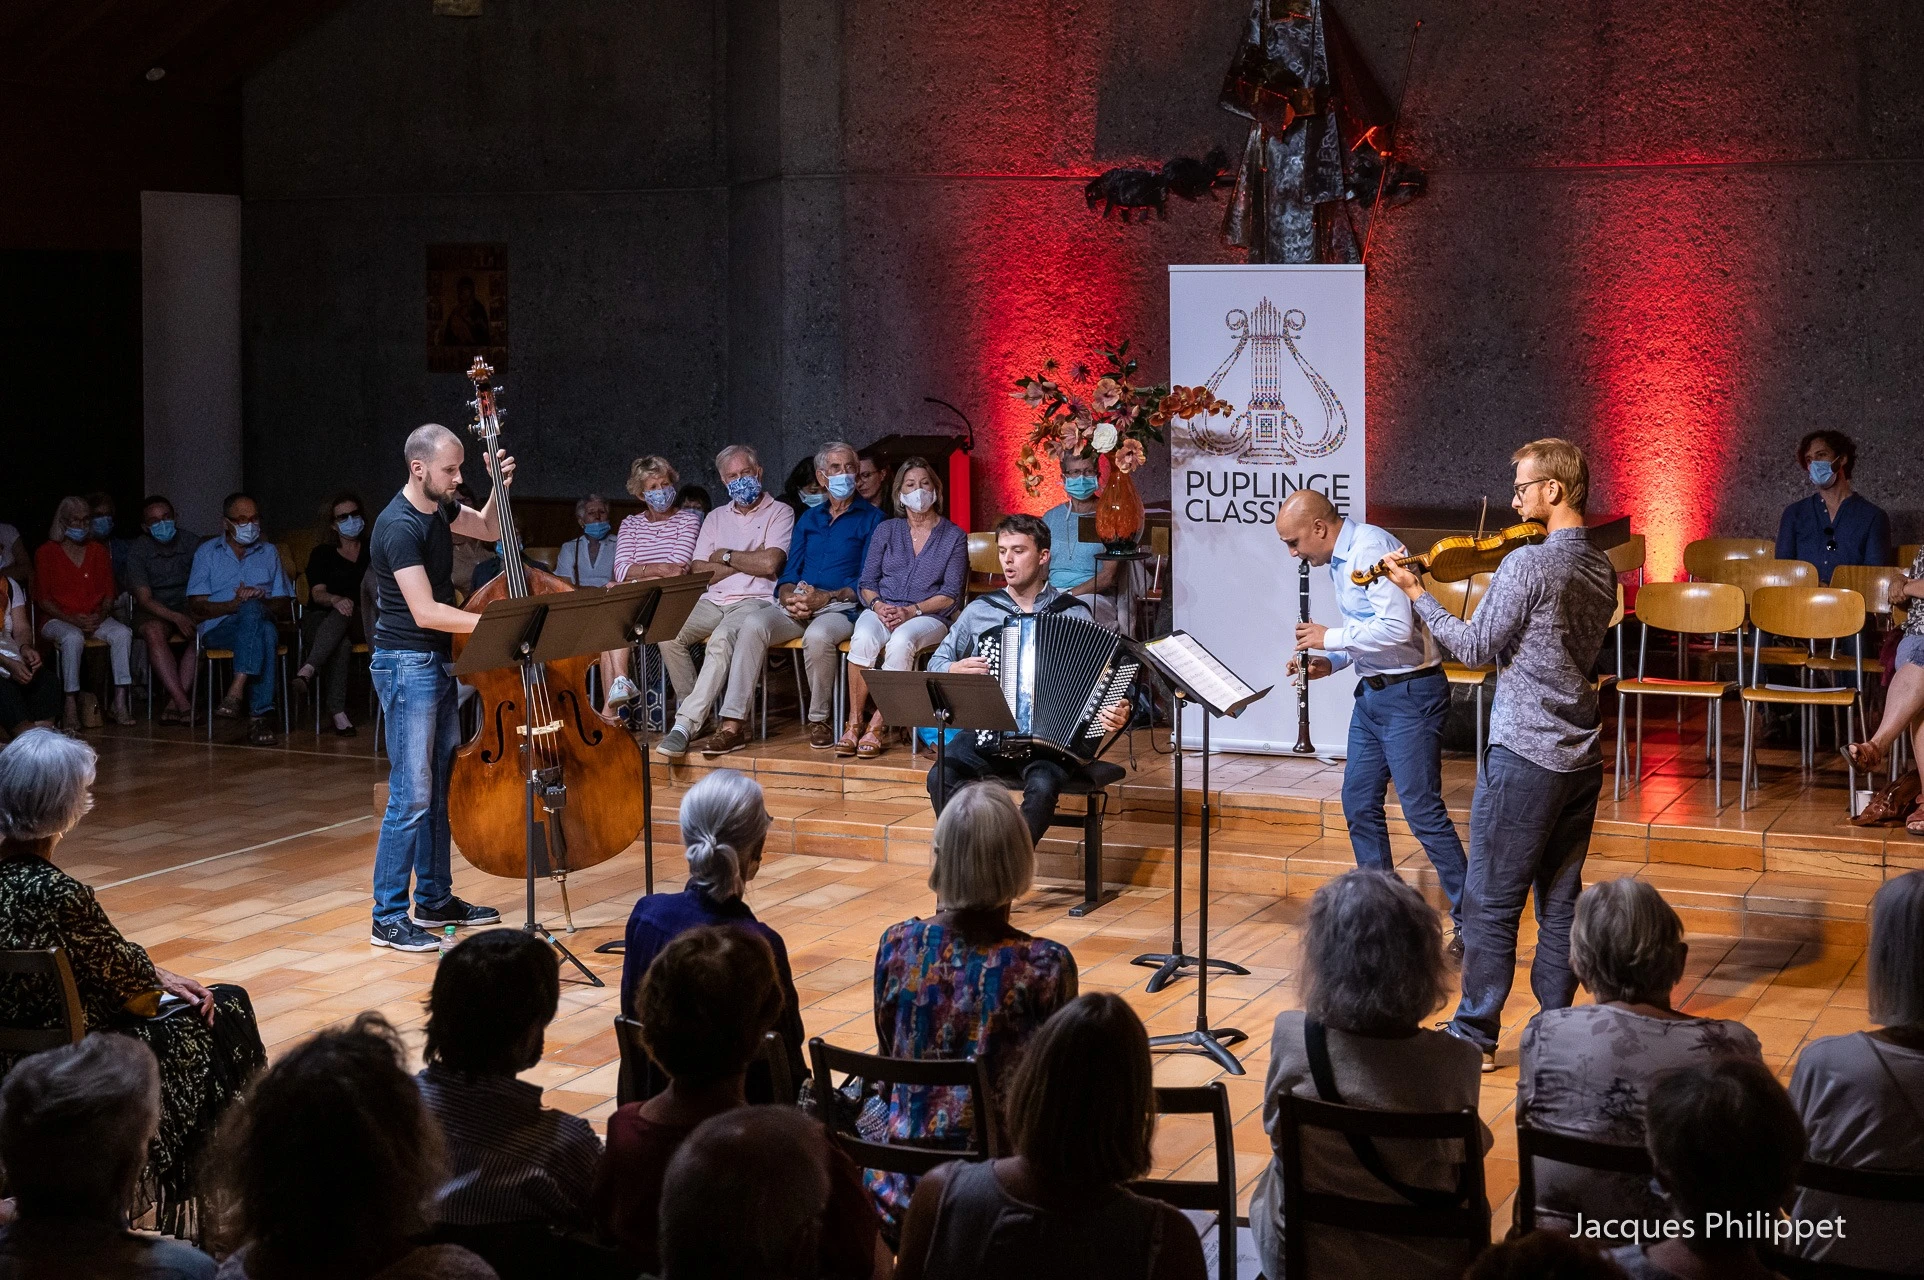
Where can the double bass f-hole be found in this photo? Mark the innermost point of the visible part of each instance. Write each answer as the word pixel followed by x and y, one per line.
pixel 500 748
pixel 591 736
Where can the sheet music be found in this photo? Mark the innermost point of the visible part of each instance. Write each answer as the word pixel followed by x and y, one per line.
pixel 1207 678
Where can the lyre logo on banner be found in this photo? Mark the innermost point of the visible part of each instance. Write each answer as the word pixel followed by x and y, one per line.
pixel 1266 432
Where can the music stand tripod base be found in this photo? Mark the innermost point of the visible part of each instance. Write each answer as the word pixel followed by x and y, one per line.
pixel 1207 1042
pixel 1169 966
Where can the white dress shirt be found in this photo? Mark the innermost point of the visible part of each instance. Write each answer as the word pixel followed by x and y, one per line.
pixel 1380 633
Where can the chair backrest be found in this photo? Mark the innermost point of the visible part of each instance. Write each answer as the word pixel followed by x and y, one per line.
pixel 1468 1221
pixel 640 1079
pixel 1461 597
pixel 1863 1184
pixel 1534 1144
pixel 1876 583
pixel 1616 614
pixel 1907 554
pixel 1807 613
pixel 1700 556
pixel 982 553
pixel 1627 556
pixel 1752 575
pixel 1215 1195
pixel 902 1157
pixel 50 964
pixel 1691 608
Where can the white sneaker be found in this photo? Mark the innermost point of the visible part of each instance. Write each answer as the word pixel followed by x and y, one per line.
pixel 620 693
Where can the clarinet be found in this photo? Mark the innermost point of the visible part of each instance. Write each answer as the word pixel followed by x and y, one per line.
pixel 1304 746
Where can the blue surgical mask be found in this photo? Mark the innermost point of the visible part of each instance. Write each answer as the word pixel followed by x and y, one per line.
pixel 659 499
pixel 247 534
pixel 1822 472
pixel 77 535
pixel 746 490
pixel 813 497
pixel 350 526
pixel 596 529
pixel 1081 487
pixel 840 487
pixel 102 526
pixel 162 530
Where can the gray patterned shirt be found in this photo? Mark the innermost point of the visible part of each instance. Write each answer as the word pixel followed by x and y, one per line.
pixel 1544 618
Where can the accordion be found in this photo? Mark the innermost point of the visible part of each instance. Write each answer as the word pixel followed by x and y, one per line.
pixel 1059 673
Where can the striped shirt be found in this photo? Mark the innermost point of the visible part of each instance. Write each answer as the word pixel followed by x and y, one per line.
pixel 897 575
pixel 645 541
pixel 510 1159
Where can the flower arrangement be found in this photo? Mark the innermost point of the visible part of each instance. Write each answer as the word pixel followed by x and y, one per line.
pixel 1114 418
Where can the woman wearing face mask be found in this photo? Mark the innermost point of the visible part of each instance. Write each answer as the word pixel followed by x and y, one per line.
pixel 332 624
pixel 658 543
pixel 1834 525
pixel 912 583
pixel 74 591
pixel 1073 566
pixel 589 561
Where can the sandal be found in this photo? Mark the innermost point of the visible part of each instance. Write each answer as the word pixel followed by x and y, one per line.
pixel 1916 824
pixel 1867 756
pixel 849 744
pixel 869 746
pixel 229 709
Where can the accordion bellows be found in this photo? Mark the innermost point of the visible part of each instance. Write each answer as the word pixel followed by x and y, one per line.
pixel 1059 673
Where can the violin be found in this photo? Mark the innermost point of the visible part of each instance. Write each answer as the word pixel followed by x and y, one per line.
pixel 589 775
pixel 1461 556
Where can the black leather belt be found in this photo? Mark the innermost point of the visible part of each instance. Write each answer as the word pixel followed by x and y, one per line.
pixel 1384 682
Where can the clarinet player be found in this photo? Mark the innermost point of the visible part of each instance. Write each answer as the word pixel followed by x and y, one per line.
pixel 1402 698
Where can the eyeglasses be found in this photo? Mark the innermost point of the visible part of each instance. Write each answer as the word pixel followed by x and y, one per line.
pixel 1516 490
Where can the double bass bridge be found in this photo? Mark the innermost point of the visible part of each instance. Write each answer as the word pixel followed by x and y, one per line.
pixel 540 730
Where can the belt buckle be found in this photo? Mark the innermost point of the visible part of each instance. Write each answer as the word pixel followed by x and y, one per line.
pixel 1378 683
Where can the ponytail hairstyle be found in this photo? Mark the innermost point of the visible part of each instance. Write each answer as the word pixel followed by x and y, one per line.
pixel 723 824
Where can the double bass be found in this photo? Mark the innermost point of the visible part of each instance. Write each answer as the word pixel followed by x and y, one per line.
pixel 588 775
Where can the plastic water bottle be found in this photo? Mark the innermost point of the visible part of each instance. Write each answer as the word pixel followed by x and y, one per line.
pixel 447 939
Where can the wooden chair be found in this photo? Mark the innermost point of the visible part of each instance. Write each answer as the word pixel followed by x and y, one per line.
pixel 1809 614
pixel 1461 599
pixel 1907 554
pixel 1091 783
pixel 1882 1185
pixel 985 566
pixel 1752 576
pixel 50 964
pixel 640 1079
pixel 1467 1220
pixel 794 649
pixel 1701 556
pixel 208 659
pixel 1687 609
pixel 1534 1144
pixel 1215 1195
pixel 903 1157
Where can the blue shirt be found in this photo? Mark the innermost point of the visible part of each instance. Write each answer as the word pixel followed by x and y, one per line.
pixel 1861 534
pixel 827 551
pixel 1380 633
pixel 218 572
pixel 1072 561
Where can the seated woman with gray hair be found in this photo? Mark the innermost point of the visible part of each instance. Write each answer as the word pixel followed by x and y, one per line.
pixel 1861 1095
pixel 205 1038
pixel 74 1127
pixel 724 823
pixel 964 983
pixel 1584 1071
pixel 1373 970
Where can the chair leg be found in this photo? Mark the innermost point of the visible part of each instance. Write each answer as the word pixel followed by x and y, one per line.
pixel 801 689
pixel 1715 718
pixel 1850 725
pixel 1617 792
pixel 1743 779
pixel 1640 739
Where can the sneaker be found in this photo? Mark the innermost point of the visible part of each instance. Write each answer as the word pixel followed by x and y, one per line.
pixel 673 745
pixel 403 935
pixel 455 911
pixel 620 694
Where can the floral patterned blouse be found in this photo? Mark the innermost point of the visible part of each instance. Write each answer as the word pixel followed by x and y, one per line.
pixel 42 906
pixel 1914 613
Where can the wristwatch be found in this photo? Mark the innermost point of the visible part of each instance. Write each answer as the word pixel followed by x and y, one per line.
pixel 728 557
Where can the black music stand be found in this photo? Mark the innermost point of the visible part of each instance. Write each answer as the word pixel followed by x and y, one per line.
pixel 940 700
pixel 1230 697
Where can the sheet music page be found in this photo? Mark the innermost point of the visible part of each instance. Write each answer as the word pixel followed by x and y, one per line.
pixel 1199 669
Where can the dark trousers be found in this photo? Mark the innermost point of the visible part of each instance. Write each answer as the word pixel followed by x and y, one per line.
pixel 1529 830
pixel 329 640
pixel 1396 735
pixel 37 700
pixel 1041 780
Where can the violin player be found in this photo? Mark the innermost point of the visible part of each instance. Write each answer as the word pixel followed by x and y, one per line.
pixel 1545 615
pixel 1402 698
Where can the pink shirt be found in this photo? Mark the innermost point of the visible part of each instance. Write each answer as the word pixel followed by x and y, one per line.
pixel 645 541
pixel 769 523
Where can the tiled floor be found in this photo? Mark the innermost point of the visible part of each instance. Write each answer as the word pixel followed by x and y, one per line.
pixel 251 866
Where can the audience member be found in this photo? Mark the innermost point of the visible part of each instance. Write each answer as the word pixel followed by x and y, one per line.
pixel 659 542
pixel 694 497
pixel 1726 1144
pixel 706 1003
pixel 1543 1255
pixel 330 1166
pixel 333 624
pixel 913 581
pixel 102 518
pixel 158 566
pixel 817 587
pixel 1074 567
pixel 1861 1095
pixel 871 477
pixel 489 568
pixel 802 491
pixel 1373 970
pixel 74 579
pixel 589 560
pixel 509 1159
pixel 15 563
pixel 744 1198
pixel 1903 715
pixel 723 824
pixel 468 552
pixel 205 1038
pixel 964 983
pixel 743 547
pixel 74 1128
pixel 239 590
pixel 1081 1112
pixel 1834 525
pixel 29 690
pixel 1583 1070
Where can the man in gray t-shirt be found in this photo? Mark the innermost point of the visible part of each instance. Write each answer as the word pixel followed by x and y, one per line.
pixel 158 565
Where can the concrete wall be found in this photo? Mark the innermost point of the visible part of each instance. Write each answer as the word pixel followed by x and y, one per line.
pixel 1682 235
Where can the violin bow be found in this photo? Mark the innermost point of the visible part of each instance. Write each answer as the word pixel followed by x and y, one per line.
pixel 1389 152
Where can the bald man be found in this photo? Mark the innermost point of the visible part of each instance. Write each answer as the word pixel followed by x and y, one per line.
pixel 1402 699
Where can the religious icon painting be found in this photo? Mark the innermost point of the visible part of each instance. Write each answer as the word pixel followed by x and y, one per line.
pixel 467 306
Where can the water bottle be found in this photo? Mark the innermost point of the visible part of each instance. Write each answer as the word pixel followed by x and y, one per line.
pixel 447 939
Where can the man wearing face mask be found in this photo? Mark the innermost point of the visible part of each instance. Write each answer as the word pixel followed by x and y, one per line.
pixel 1834 525
pixel 238 589
pixel 158 566
pixel 589 561
pixel 743 547
pixel 817 589
pixel 101 522
pixel 1074 567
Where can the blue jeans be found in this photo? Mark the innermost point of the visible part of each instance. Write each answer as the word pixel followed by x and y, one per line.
pixel 418 700
pixel 1529 829
pixel 249 632
pixel 1396 734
